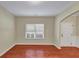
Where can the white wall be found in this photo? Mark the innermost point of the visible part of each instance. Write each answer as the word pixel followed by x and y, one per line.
pixel 61 16
pixel 7 30
pixel 49 29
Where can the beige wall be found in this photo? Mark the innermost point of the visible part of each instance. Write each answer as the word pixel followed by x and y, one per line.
pixel 77 30
pixel 49 29
pixel 63 15
pixel 7 30
pixel 77 23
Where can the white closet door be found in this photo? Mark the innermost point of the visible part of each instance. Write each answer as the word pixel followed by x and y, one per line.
pixel 67 38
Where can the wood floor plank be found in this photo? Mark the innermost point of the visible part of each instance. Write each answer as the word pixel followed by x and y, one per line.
pixel 41 51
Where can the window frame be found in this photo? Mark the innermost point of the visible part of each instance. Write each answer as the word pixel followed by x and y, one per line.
pixel 34 34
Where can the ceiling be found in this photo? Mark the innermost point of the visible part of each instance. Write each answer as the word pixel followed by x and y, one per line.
pixel 35 8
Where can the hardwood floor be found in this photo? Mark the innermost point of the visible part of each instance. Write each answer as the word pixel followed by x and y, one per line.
pixel 41 51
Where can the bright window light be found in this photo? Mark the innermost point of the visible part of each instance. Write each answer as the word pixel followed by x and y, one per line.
pixel 34 31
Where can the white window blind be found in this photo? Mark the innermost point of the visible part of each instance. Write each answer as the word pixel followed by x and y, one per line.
pixel 34 31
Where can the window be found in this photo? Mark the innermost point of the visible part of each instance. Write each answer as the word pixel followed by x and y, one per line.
pixel 34 31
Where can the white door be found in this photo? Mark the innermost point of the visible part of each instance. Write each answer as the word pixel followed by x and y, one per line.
pixel 66 36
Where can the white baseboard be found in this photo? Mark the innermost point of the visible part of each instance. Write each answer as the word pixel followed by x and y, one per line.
pixel 57 46
pixel 71 46
pixel 7 50
pixel 77 46
pixel 38 44
pixel 33 43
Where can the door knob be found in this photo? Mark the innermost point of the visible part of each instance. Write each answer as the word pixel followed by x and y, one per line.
pixel 61 35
